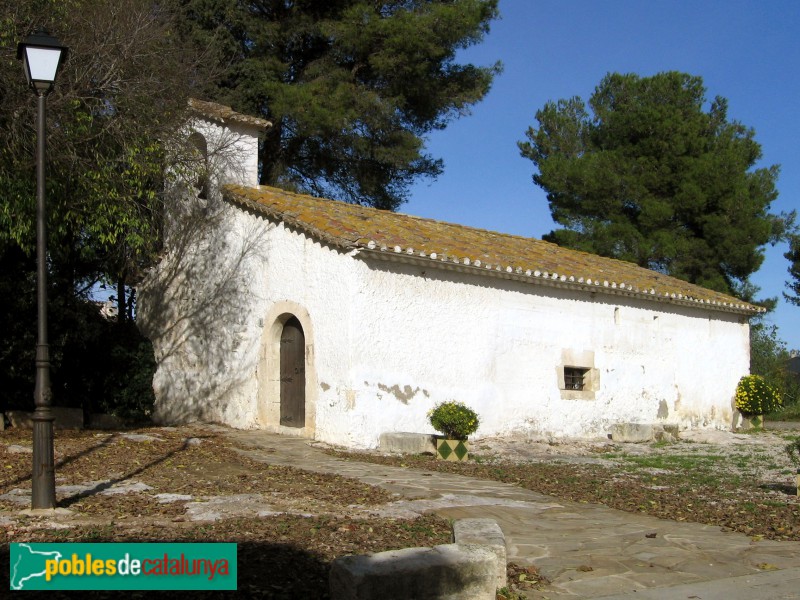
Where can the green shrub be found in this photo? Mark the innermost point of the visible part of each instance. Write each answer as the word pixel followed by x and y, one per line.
pixel 793 451
pixel 755 397
pixel 770 358
pixel 128 382
pixel 454 420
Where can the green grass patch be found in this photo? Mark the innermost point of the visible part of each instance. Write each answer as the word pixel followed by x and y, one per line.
pixel 742 461
pixel 750 507
pixel 661 444
pixel 418 527
pixel 611 455
pixel 790 412
pixel 676 462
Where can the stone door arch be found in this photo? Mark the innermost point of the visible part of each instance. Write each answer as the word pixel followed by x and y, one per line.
pixel 287 378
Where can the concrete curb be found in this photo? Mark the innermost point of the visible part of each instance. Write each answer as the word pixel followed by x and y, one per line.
pixel 487 533
pixel 401 442
pixel 472 568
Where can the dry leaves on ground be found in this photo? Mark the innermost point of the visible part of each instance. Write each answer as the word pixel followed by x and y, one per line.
pixel 279 556
pixel 684 482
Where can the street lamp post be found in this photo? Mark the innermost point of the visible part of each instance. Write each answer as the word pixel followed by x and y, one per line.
pixel 42 55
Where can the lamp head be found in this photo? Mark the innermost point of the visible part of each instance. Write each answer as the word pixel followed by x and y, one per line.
pixel 42 55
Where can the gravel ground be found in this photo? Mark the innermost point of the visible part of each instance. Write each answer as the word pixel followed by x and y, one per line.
pixel 190 484
pixel 739 481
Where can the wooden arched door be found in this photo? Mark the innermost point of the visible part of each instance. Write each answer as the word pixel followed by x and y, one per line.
pixel 293 374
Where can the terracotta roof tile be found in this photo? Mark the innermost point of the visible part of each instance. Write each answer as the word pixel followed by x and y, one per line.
pixel 374 231
pixel 220 112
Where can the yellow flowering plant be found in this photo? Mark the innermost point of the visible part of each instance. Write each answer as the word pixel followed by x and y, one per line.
pixel 754 396
pixel 453 419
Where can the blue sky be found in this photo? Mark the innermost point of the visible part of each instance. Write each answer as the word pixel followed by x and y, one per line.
pixel 745 51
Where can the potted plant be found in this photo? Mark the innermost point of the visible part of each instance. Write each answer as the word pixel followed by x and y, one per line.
pixel 455 421
pixel 755 398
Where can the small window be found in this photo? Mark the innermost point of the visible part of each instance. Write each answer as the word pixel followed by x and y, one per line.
pixel 199 152
pixel 575 378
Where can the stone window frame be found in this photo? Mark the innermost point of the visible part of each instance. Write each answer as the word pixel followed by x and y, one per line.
pixel 198 148
pixel 583 360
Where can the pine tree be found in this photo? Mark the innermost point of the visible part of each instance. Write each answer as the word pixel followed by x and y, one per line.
pixel 648 174
pixel 351 86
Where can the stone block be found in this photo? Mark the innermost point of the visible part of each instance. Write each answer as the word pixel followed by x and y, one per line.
pixel 632 432
pixel 400 442
pixel 645 432
pixel 20 419
pixel 65 418
pixel 68 418
pixel 669 432
pixel 485 532
pixel 447 572
pixel 104 421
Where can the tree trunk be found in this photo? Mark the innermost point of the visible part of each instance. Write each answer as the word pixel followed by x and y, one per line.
pixel 122 305
pixel 131 304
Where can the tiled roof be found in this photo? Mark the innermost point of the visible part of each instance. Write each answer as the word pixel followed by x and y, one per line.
pixel 399 237
pixel 222 113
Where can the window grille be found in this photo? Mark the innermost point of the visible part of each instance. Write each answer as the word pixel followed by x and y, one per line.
pixel 574 378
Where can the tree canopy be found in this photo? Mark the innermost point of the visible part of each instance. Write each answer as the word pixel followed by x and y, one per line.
pixel 653 174
pixel 117 101
pixel 793 255
pixel 351 86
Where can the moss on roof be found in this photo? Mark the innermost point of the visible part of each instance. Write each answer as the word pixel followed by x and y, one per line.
pixel 220 112
pixel 350 226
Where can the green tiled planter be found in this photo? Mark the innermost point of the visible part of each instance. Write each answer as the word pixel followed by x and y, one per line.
pixel 756 421
pixel 751 423
pixel 451 449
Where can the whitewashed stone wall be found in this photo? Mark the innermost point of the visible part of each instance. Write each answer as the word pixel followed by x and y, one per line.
pixel 195 306
pixel 386 341
pixel 392 340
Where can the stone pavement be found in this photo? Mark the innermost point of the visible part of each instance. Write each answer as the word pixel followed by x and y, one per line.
pixel 586 550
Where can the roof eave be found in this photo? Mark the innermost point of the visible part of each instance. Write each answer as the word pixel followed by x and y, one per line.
pixel 225 115
pixel 560 282
pixel 371 250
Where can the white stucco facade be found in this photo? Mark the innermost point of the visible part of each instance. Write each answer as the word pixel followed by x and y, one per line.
pixel 388 336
